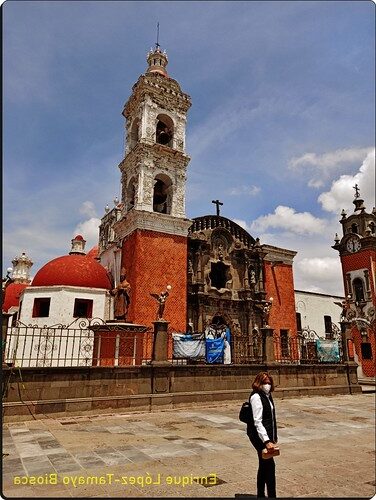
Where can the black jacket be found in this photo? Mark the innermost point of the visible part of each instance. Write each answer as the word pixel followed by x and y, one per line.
pixel 268 421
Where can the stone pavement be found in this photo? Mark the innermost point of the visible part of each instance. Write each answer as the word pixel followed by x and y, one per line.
pixel 327 450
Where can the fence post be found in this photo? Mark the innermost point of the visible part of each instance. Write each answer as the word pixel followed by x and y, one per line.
pixel 268 355
pixel 345 335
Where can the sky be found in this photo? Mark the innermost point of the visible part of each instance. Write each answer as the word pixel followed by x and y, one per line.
pixel 280 129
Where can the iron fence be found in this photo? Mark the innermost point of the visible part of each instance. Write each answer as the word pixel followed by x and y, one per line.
pixel 308 348
pixel 78 344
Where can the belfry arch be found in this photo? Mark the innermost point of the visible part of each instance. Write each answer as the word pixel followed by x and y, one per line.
pixel 164 133
pixel 162 194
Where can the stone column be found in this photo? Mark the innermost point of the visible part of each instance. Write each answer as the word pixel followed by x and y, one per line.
pixel 267 345
pixel 345 327
pixel 160 345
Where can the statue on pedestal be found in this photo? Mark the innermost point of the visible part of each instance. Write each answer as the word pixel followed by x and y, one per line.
pixel 122 299
pixel 161 298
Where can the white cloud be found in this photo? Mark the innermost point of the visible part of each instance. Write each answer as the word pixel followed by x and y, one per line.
pixel 318 274
pixel 89 229
pixel 88 208
pixel 341 192
pixel 244 190
pixel 323 166
pixel 288 219
pixel 330 159
pixel 242 223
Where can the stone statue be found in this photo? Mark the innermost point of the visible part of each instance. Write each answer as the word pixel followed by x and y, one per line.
pixel 122 300
pixel 161 298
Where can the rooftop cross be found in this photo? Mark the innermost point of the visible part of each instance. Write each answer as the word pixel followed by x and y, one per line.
pixel 217 203
pixel 356 187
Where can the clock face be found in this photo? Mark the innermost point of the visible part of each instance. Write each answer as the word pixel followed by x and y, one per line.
pixel 353 244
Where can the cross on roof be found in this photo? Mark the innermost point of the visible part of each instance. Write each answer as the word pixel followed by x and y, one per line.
pixel 217 203
pixel 356 187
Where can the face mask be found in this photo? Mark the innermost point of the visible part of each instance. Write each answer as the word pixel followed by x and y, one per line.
pixel 266 388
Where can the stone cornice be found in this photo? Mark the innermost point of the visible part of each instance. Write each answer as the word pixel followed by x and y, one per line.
pixel 280 255
pixel 151 221
pixel 163 91
pixel 153 152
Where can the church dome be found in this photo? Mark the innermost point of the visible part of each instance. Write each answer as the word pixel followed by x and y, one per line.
pixel 12 295
pixel 73 270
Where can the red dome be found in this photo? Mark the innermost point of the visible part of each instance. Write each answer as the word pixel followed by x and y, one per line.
pixel 93 253
pixel 73 270
pixel 12 295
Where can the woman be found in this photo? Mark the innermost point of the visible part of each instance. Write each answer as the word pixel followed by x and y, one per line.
pixel 262 432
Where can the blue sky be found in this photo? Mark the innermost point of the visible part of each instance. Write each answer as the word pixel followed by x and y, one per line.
pixel 281 124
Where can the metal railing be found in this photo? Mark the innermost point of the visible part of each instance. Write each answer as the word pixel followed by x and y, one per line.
pixel 75 345
pixel 308 348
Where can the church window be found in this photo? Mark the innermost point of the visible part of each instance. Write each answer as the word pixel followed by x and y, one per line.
pixel 134 133
pixel 358 290
pixel 372 227
pixel 354 228
pixel 162 194
pixel 83 308
pixel 366 350
pixel 328 324
pixel 41 308
pixel 164 131
pixel 131 193
pixel 218 275
pixel 299 322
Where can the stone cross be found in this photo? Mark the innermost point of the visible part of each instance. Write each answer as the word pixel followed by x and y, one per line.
pixel 217 203
pixel 356 187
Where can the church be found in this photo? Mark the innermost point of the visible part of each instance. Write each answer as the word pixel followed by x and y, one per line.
pixel 219 273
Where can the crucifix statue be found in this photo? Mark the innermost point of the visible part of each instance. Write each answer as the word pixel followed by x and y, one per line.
pixel 356 187
pixel 217 203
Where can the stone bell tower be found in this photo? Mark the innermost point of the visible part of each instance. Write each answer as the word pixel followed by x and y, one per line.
pixel 153 227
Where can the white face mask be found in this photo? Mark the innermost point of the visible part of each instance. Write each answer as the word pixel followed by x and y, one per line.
pixel 266 388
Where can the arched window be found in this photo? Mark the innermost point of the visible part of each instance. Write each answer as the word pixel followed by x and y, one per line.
pixel 131 193
pixel 354 228
pixel 372 227
pixel 134 131
pixel 162 195
pixel 165 130
pixel 358 288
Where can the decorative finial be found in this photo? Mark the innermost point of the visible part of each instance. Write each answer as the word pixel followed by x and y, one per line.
pixel 344 214
pixel 106 209
pixel 336 239
pixel 357 193
pixel 116 201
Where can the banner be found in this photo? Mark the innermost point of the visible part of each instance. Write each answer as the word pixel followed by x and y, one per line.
pixel 214 350
pixel 327 351
pixel 188 345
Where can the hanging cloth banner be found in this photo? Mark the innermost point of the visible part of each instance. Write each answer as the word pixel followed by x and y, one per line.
pixel 188 345
pixel 214 350
pixel 327 351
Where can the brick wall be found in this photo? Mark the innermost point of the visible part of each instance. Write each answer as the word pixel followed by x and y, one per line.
pixel 152 261
pixel 279 284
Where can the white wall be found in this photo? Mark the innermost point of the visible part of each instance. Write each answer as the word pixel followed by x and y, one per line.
pixel 314 306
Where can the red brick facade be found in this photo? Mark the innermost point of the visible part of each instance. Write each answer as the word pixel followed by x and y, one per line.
pixel 279 284
pixel 366 259
pixel 152 261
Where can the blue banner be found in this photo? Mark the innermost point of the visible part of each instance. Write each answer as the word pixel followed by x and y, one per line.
pixel 214 350
pixel 327 351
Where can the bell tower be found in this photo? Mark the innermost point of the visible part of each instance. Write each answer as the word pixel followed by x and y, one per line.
pixel 153 227
pixel 357 250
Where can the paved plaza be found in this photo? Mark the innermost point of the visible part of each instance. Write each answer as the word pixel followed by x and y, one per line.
pixel 327 450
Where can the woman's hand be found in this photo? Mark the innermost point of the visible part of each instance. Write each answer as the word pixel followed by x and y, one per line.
pixel 270 445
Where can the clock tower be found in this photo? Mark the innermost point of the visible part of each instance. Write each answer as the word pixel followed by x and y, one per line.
pixel 151 229
pixel 357 250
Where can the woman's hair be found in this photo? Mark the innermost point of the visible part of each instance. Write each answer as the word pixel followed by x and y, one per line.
pixel 259 381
